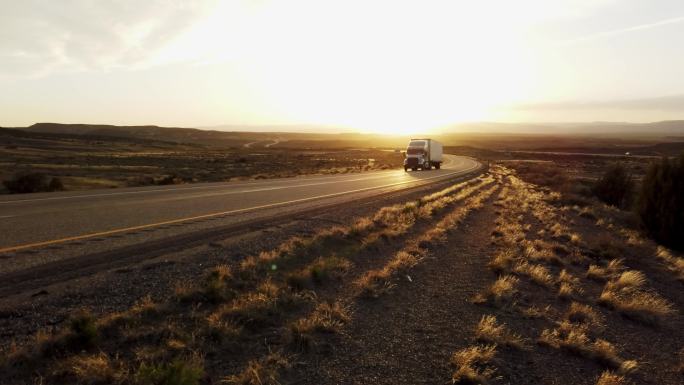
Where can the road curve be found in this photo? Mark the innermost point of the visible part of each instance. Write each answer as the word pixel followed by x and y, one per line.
pixel 34 222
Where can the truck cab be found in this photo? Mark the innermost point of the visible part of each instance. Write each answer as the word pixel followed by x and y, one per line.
pixel 423 154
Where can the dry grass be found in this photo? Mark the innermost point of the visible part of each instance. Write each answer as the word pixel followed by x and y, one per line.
pixel 472 365
pixel 319 272
pixel 537 273
pixel 217 286
pixel 627 296
pixel 541 252
pixel 178 372
pixel 587 212
pixel 610 378
pixel 611 270
pixel 259 308
pixel 266 371
pixel 568 285
pixel 583 314
pixel 573 338
pixel 674 263
pixel 325 319
pixel 535 312
pixel 376 282
pixel 501 293
pixel 489 331
pixel 502 262
pixel 94 369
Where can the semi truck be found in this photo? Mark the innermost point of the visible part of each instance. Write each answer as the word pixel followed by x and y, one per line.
pixel 423 154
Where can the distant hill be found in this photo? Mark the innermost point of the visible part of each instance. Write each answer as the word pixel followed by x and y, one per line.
pixel 167 134
pixel 218 138
pixel 482 134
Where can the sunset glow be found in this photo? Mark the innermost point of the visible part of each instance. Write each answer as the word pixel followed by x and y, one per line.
pixel 382 66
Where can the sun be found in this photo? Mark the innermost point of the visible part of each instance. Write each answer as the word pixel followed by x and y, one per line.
pixel 402 75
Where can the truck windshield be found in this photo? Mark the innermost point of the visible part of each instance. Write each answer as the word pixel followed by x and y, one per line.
pixel 417 143
pixel 414 151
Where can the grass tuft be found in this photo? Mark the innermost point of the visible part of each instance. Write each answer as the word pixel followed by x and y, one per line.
pixel 489 331
pixel 376 282
pixel 83 331
pixel 472 365
pixel 610 378
pixel 501 293
pixel 327 318
pixel 177 372
pixel 502 262
pixel 266 371
pixel 599 273
pixel 537 273
pixel 573 338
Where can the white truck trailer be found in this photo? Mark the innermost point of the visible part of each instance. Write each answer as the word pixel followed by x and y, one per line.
pixel 423 154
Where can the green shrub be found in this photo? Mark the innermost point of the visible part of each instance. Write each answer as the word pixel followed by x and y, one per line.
pixel 175 373
pixel 23 183
pixel 615 187
pixel 660 206
pixel 83 332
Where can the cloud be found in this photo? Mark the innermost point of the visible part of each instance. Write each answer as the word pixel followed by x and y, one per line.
pixel 38 37
pixel 621 31
pixel 672 103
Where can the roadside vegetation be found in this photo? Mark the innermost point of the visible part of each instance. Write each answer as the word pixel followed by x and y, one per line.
pixel 550 283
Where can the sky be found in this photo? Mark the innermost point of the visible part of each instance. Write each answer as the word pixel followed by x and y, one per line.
pixel 373 65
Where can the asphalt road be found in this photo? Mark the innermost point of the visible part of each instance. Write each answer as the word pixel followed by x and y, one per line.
pixel 57 221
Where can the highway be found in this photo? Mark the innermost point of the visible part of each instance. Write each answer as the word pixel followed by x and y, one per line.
pixel 37 229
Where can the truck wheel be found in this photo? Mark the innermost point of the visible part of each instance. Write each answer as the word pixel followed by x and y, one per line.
pixel 438 166
pixel 405 169
pixel 429 166
pixel 413 169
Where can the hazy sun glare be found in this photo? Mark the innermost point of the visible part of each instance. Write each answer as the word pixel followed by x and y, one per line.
pixel 376 66
pixel 389 66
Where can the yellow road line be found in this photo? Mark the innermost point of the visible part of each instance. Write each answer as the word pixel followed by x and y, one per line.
pixel 211 215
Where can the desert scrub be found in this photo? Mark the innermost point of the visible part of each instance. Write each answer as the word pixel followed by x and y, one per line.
pixel 573 338
pixel 568 285
pixel 319 272
pixel 536 273
pixel 611 270
pixel 610 378
pixel 217 284
pixel 627 295
pixel 263 307
pixel 22 183
pixel 265 371
pixel 674 263
pixel 583 314
pixel 176 372
pixel 472 365
pixel 83 331
pixel 615 187
pixel 661 202
pixel 502 261
pixel 93 369
pixel 376 282
pixel 501 293
pixel 490 331
pixel 304 334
